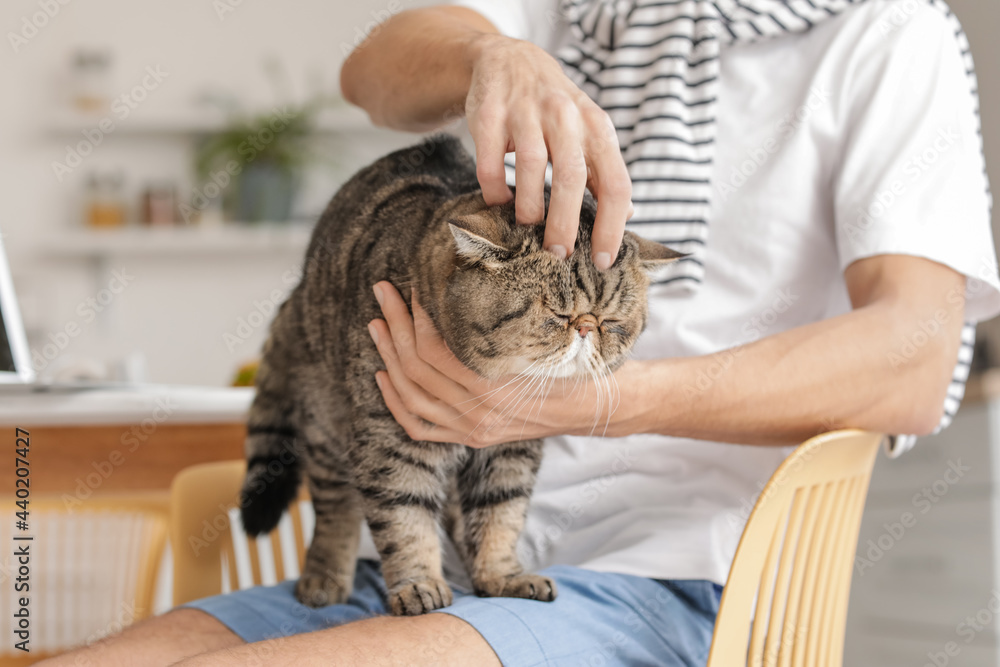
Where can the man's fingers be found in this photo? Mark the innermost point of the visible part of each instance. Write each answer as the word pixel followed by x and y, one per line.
pixel 532 158
pixel 564 135
pixel 611 185
pixel 418 427
pixel 398 336
pixel 397 316
pixel 489 131
pixel 416 399
pixel 415 427
pixel 432 349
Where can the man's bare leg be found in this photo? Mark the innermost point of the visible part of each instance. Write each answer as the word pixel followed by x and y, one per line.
pixel 437 640
pixel 156 642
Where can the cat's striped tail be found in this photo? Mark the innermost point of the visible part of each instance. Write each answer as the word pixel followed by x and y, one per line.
pixel 273 447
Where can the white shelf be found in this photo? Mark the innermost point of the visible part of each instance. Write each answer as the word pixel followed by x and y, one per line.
pixel 230 239
pixel 192 120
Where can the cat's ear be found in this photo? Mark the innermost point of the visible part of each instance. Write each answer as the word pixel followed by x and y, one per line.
pixel 478 239
pixel 653 255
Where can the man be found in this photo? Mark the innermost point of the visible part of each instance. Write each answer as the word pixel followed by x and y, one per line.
pixel 848 239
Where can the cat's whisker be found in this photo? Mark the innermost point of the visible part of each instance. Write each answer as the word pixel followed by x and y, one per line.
pixel 513 400
pixel 547 385
pixel 524 380
pixel 493 392
pixel 610 383
pixel 540 393
pixel 606 396
pixel 598 397
pixel 532 397
pixel 531 393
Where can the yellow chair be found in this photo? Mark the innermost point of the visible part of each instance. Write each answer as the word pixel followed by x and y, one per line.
pixel 94 565
pixel 204 501
pixel 795 559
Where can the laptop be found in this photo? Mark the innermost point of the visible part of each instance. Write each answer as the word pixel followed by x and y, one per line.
pixel 17 375
pixel 15 358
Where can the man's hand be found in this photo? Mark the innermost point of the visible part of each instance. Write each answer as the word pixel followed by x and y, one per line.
pixel 861 369
pixel 434 397
pixel 519 100
pixel 424 67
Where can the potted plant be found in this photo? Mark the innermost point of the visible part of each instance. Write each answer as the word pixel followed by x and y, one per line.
pixel 263 156
pixel 256 162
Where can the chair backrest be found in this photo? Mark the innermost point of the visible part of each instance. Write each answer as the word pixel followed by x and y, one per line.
pixel 94 566
pixel 211 553
pixel 785 602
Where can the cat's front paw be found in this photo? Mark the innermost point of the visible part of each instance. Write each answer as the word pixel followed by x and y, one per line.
pixel 320 590
pixel 419 596
pixel 528 586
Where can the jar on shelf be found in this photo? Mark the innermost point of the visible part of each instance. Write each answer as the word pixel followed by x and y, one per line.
pixel 105 203
pixel 159 204
pixel 91 80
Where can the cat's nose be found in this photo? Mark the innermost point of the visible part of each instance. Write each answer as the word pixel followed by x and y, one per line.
pixel 585 324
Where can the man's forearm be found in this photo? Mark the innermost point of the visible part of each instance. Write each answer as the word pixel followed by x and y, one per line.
pixel 413 72
pixel 854 370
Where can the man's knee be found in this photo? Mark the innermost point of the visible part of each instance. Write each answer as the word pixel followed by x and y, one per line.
pixel 161 640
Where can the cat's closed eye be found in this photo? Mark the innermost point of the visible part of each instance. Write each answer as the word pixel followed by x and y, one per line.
pixel 614 327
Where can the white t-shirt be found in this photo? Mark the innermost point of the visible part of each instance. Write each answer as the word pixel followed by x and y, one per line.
pixel 854 139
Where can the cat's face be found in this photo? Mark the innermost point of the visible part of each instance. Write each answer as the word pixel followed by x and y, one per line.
pixel 514 308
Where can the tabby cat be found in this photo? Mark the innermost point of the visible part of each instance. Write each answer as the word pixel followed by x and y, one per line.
pixel 503 305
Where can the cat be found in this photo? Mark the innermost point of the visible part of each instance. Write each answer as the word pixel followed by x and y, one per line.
pixel 503 305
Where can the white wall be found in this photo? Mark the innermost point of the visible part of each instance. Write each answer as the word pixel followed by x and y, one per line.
pixel 175 311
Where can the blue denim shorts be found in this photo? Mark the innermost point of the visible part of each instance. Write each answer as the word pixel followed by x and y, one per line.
pixel 598 619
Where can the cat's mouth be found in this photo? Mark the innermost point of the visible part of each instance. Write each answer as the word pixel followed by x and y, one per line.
pixel 580 358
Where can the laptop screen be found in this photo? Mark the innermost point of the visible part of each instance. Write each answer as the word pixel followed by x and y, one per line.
pixel 15 359
pixel 6 354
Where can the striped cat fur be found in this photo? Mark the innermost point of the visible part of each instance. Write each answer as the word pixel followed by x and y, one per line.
pixel 503 305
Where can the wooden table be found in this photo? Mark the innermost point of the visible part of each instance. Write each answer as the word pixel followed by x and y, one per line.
pixel 103 441
pixel 98 443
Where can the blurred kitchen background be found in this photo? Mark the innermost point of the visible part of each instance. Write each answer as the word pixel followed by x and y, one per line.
pixel 118 126
pixel 138 255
